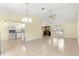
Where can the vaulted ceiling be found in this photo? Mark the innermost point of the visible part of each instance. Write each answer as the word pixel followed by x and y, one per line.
pixel 64 11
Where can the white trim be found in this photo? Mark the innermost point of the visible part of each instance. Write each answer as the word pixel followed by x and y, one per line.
pixel 33 38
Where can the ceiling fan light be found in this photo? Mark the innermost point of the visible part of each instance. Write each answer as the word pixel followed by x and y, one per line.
pixel 52 16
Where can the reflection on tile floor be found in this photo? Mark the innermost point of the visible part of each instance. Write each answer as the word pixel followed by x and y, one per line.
pixel 46 46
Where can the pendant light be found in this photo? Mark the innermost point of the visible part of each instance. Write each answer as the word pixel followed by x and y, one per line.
pixel 27 19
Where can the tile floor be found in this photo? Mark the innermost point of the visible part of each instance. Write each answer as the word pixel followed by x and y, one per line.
pixel 47 46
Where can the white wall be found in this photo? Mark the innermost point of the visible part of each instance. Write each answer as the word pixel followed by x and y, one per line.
pixel 4 31
pixel 70 29
pixel 78 29
pixel 34 29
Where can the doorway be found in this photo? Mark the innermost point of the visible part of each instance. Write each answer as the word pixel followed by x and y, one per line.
pixel 46 30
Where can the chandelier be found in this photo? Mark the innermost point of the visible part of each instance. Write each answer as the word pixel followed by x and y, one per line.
pixel 27 18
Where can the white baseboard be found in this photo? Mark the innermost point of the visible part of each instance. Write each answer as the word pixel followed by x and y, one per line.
pixel 71 37
pixel 33 38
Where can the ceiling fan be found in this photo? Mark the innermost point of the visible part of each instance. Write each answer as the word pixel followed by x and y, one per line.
pixel 52 15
